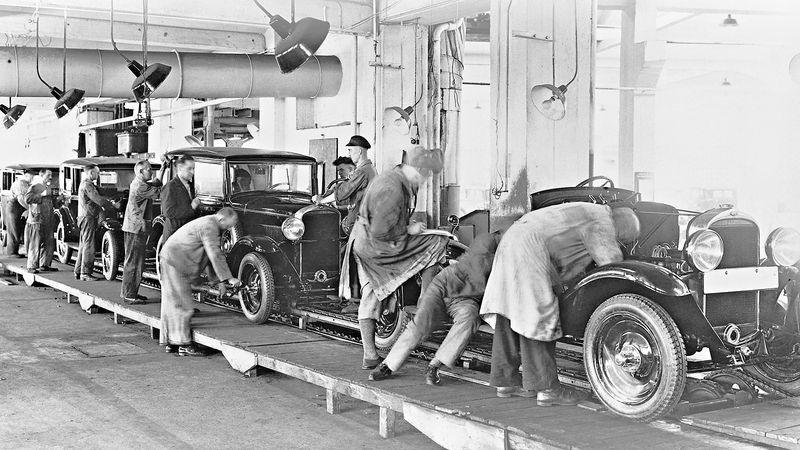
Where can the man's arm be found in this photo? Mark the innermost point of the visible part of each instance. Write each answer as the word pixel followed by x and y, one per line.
pixel 94 196
pixel 345 190
pixel 34 194
pixel 600 240
pixel 210 240
pixel 20 197
pixel 149 189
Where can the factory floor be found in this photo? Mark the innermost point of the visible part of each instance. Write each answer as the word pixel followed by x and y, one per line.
pixel 72 380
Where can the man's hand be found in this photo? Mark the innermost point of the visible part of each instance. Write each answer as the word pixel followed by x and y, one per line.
pixel 234 282
pixel 316 199
pixel 222 287
pixel 416 228
pixel 195 203
pixel 164 161
pixel 46 191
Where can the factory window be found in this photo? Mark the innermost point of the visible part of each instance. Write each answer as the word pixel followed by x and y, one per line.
pixel 208 178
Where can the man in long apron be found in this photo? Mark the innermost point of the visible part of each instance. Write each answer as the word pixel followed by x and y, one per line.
pixel 184 257
pixel 15 208
pixel 388 248
pixel 39 238
pixel 543 249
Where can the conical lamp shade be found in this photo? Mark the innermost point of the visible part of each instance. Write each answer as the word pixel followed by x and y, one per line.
pixel 66 101
pixel 149 80
pixel 400 118
pixel 11 115
pixel 550 100
pixel 305 39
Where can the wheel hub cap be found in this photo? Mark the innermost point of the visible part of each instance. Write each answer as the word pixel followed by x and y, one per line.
pixel 629 358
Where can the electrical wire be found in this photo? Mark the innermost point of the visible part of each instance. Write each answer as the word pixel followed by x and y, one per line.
pixel 113 42
pixel 575 75
pixel 64 55
pixel 37 53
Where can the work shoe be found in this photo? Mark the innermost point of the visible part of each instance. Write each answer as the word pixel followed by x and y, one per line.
pixel 48 269
pixel 515 391
pixel 89 278
pixel 432 376
pixel 170 348
pixel 134 301
pixel 369 364
pixel 190 350
pixel 559 396
pixel 32 270
pixel 77 276
pixel 381 372
pixel 141 297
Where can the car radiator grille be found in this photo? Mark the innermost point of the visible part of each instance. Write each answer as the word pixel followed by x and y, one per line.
pixel 742 249
pixel 320 244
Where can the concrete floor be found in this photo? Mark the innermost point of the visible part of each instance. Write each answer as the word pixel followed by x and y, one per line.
pixel 72 380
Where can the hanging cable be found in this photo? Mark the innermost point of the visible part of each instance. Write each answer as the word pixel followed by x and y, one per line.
pixel 113 42
pixel 64 56
pixel 37 53
pixel 575 75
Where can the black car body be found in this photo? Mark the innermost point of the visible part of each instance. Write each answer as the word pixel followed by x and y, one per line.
pixel 677 293
pixel 8 175
pixel 116 174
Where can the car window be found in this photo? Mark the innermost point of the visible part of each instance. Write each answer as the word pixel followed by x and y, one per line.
pixel 271 177
pixel 115 179
pixel 208 178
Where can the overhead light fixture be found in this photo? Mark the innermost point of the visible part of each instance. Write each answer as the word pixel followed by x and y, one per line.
pixel 299 40
pixel 148 78
pixel 12 114
pixel 725 82
pixel 794 68
pixel 550 100
pixel 193 140
pixel 729 22
pixel 400 118
pixel 65 101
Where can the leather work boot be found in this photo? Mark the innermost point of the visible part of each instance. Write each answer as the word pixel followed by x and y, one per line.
pixel 432 376
pixel 190 350
pixel 559 396
pixel 369 364
pixel 381 372
pixel 89 278
pixel 515 391
pixel 171 348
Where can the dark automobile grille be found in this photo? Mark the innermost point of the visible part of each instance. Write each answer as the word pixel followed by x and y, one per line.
pixel 320 244
pixel 742 249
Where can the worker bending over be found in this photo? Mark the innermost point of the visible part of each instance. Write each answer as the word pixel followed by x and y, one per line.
pixel 455 293
pixel 545 248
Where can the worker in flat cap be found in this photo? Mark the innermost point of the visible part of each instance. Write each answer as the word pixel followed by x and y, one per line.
pixel 387 247
pixel 351 191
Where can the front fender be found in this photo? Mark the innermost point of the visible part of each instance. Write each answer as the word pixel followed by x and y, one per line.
pixel 111 224
pixel 251 244
pixel 649 280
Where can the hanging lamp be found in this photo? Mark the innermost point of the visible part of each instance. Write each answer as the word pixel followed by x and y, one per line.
pixel 299 40
pixel 65 101
pixel 11 113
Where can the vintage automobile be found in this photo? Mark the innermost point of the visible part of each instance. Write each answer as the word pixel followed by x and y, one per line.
pixel 9 174
pixel 116 174
pixel 708 290
pixel 286 248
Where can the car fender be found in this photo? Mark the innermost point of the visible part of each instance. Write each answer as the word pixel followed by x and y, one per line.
pixel 251 244
pixel 110 224
pixel 649 280
pixel 66 217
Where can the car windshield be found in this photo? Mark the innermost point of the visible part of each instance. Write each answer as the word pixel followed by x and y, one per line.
pixel 115 179
pixel 271 177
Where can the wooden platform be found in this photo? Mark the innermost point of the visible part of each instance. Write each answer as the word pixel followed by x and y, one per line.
pixel 457 414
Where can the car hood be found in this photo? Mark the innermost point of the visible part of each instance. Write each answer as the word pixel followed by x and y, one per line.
pixel 287 203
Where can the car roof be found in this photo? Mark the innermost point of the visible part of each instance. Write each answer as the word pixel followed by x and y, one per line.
pixel 105 161
pixel 31 166
pixel 238 153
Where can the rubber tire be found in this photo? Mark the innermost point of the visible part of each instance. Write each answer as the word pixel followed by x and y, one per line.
pixel 63 250
pixel 267 306
pixel 673 356
pixel 110 244
pixel 403 318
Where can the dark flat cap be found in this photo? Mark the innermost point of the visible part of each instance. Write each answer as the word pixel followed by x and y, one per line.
pixel 358 141
pixel 422 158
pixel 343 160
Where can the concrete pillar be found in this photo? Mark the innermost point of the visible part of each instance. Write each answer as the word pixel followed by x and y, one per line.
pixel 641 61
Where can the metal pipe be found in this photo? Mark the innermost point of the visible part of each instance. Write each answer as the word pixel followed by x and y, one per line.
pixel 355 85
pixel 101 73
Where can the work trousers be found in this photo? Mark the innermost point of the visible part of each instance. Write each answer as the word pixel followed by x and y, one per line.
pixel 84 261
pixel 40 243
pixel 134 263
pixel 177 305
pixel 510 349
pixel 12 216
pixel 432 314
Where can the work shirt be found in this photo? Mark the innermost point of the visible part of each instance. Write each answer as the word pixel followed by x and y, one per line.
pixel 19 188
pixel 543 249
pixel 351 192
pixel 193 246
pixel 41 208
pixel 138 215
pixel 468 276
pixel 387 207
pixel 90 202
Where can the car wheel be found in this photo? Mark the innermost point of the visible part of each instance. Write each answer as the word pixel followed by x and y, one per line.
pixel 158 257
pixel 635 358
pixel 110 255
pixel 391 324
pixel 257 296
pixel 63 250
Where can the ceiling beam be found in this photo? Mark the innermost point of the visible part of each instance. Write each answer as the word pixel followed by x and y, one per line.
pixel 735 7
pixel 431 12
pixel 130 34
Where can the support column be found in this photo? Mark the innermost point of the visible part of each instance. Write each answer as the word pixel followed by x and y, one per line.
pixel 641 61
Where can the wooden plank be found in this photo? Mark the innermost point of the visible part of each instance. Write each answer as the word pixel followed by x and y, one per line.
pixel 386 422
pixel 451 431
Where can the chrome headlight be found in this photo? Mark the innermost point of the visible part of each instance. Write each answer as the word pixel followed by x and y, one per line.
pixel 293 228
pixel 783 246
pixel 704 250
